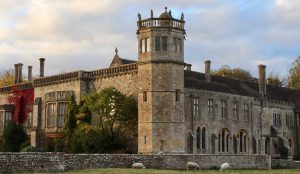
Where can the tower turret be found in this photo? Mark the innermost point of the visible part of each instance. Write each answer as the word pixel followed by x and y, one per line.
pixel 161 126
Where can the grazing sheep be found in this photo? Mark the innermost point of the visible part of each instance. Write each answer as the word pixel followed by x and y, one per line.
pixel 225 166
pixel 138 166
pixel 192 166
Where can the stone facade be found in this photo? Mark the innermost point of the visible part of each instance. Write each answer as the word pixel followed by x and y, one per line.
pixel 179 110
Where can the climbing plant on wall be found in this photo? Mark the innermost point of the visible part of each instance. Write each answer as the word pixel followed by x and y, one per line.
pixel 23 101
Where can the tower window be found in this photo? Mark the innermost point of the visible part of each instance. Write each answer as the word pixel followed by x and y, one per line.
pixel 144 96
pixel 145 45
pixel 177 95
pixel 157 43
pixel 164 43
pixel 177 45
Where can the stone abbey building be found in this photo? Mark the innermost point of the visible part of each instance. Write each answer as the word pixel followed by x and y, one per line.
pixel 179 110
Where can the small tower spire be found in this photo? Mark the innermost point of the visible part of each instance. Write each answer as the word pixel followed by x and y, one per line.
pixel 116 50
pixel 151 13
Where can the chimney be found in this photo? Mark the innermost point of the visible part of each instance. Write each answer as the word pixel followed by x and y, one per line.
pixel 207 71
pixel 20 67
pixel 16 73
pixel 262 80
pixel 29 73
pixel 42 66
pixel 188 67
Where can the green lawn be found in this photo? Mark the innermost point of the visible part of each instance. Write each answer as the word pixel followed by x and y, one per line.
pixel 152 171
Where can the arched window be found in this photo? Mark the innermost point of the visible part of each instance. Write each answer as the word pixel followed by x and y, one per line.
pixel 204 138
pixel 243 141
pixel 225 140
pixel 235 143
pixel 253 145
pixel 267 146
pixel 198 137
pixel 219 143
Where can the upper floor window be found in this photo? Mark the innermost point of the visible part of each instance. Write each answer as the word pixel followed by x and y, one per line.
pixel 210 106
pixel 177 45
pixel 235 111
pixel 164 41
pixel 145 45
pixel 276 119
pixel 29 120
pixel 223 109
pixel 157 44
pixel 289 121
pixel 246 112
pixel 196 110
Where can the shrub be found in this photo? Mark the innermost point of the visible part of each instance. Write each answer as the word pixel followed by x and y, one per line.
pixel 13 136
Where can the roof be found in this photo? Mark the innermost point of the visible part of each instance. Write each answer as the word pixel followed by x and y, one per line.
pixel 117 61
pixel 196 80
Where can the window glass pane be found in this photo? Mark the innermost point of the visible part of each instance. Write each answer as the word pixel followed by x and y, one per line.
pixel 157 43
pixel 175 44
pixel 179 45
pixel 164 43
pixel 147 44
pixel 143 45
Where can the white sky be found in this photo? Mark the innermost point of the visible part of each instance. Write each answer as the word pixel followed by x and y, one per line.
pixel 82 34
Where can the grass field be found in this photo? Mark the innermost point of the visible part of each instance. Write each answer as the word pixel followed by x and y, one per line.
pixel 152 171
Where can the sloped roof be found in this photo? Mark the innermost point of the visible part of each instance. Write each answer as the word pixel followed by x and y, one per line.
pixel 117 61
pixel 196 80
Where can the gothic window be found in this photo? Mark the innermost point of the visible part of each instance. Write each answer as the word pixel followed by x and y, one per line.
pixel 145 139
pixel 196 110
pixel 144 96
pixel 203 138
pixel 164 40
pixel 198 137
pixel 235 111
pixel 253 145
pixel 225 140
pixel 276 119
pixel 62 111
pixel 223 109
pixel 243 141
pixel 246 112
pixel 289 121
pixel 157 44
pixel 210 106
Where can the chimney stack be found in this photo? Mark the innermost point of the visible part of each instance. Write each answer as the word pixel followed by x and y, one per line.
pixel 207 71
pixel 262 80
pixel 16 73
pixel 29 73
pixel 188 67
pixel 42 66
pixel 20 73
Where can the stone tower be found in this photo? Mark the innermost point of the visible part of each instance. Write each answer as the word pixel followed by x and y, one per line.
pixel 161 122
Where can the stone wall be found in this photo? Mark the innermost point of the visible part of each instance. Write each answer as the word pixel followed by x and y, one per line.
pixel 31 162
pixel 284 163
pixel 60 162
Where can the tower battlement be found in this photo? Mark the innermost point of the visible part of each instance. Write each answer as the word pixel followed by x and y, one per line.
pixel 165 20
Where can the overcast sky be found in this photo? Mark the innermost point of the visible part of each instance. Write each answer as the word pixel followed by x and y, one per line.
pixel 82 34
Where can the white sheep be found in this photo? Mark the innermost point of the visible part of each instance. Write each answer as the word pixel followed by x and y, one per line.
pixel 225 166
pixel 192 166
pixel 138 166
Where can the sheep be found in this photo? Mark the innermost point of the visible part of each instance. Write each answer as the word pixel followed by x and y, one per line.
pixel 192 166
pixel 138 166
pixel 225 166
